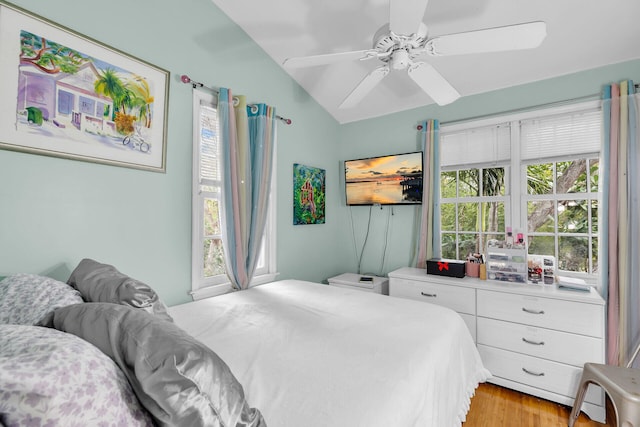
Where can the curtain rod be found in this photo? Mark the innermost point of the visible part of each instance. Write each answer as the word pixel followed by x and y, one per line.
pixel 187 80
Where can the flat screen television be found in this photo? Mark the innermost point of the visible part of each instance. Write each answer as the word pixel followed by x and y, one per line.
pixel 395 179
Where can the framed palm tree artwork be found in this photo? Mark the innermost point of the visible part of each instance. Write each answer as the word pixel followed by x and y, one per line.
pixel 67 95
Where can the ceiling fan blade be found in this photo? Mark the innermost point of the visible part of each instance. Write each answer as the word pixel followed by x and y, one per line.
pixel 365 86
pixel 432 82
pixel 329 58
pixel 405 16
pixel 510 37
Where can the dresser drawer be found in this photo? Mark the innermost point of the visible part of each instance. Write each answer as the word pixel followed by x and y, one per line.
pixel 470 321
pixel 540 342
pixel 543 374
pixel 563 315
pixel 458 298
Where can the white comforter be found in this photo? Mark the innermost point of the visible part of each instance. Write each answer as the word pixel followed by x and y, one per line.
pixel 311 355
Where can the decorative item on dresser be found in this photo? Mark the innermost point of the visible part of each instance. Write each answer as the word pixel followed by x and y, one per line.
pixel 532 338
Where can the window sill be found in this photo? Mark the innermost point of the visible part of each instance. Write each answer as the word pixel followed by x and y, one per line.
pixel 225 288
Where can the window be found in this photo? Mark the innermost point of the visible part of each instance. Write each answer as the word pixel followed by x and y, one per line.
pixel 208 266
pixel 536 172
pixel 473 196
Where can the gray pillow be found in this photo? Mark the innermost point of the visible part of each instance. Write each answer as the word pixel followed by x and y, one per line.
pixel 99 282
pixel 179 380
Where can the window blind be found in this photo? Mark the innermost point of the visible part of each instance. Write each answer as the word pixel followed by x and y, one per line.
pixel 568 134
pixel 489 145
pixel 209 146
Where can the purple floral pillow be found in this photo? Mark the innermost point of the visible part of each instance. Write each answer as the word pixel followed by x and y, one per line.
pixel 26 298
pixel 51 378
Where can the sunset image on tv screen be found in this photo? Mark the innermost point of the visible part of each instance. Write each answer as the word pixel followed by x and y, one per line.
pixel 384 180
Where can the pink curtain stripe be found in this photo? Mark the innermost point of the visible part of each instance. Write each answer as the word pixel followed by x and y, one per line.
pixel 421 260
pixel 425 237
pixel 623 221
pixel 613 352
pixel 623 327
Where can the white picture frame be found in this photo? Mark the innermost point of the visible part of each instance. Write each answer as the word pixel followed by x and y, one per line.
pixel 67 95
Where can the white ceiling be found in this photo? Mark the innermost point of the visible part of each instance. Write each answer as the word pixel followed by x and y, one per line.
pixel 581 34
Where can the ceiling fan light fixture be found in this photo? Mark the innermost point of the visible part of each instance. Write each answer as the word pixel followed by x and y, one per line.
pixel 400 59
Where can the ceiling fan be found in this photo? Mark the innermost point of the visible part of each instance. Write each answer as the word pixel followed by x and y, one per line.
pixel 402 44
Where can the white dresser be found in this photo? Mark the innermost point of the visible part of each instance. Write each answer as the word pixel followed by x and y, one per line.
pixel 532 338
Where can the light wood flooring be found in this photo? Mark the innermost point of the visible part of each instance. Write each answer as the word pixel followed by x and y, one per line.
pixel 495 406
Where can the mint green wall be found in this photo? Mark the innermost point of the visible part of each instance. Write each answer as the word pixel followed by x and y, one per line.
pixel 396 133
pixel 54 212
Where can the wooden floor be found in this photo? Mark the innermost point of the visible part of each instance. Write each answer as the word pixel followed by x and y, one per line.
pixel 494 406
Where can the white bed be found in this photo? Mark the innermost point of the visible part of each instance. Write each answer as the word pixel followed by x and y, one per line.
pixel 311 355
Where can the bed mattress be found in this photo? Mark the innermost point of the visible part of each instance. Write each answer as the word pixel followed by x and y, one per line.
pixel 314 355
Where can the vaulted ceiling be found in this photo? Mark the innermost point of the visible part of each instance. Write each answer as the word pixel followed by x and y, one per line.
pixel 581 35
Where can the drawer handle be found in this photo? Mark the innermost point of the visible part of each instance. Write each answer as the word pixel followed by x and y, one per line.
pixel 533 342
pixel 535 374
pixel 428 295
pixel 527 310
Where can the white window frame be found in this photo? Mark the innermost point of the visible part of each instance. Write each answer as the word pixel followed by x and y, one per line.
pixel 203 287
pixel 515 182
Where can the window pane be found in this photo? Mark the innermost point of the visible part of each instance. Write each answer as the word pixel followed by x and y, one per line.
pixel 492 217
pixel 493 182
pixel 541 245
pixel 594 178
pixel 594 258
pixel 448 185
pixel 213 257
pixel 448 245
pixel 571 177
pixel 541 216
pixel 468 183
pixel 540 179
pixel 211 217
pixel 468 216
pixel 573 216
pixel 594 217
pixel 468 244
pixel 448 216
pixel 573 253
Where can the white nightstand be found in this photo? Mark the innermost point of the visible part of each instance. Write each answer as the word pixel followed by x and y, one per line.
pixel 378 285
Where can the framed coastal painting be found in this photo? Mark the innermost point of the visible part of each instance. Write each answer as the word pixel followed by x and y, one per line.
pixel 67 95
pixel 308 195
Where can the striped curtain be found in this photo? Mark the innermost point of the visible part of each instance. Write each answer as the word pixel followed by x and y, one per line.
pixel 621 213
pixel 248 136
pixel 429 236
